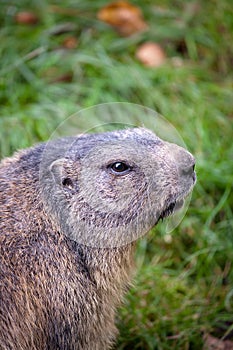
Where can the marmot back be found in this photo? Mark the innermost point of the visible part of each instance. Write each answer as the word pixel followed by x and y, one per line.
pixel 70 213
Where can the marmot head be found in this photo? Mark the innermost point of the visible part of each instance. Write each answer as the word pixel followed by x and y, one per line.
pixel 108 189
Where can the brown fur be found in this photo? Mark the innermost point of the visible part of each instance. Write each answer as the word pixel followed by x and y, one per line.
pixel 55 293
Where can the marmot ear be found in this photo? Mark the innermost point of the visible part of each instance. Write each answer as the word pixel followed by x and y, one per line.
pixel 58 169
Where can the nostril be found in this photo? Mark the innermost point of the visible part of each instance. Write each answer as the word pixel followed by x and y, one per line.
pixel 189 170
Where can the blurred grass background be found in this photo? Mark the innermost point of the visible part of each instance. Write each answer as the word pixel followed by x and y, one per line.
pixel 184 285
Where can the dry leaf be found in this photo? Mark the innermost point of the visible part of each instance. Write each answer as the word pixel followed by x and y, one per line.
pixel 64 78
pixel 55 75
pixel 151 54
pixel 70 42
pixel 212 343
pixel 26 17
pixel 127 19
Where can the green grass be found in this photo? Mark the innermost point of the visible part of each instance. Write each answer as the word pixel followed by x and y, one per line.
pixel 184 284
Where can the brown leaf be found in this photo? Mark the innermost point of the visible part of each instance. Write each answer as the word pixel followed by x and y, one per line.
pixel 127 19
pixel 55 75
pixel 64 78
pixel 26 17
pixel 212 343
pixel 70 42
pixel 151 54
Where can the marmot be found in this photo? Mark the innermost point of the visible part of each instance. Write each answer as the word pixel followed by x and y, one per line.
pixel 71 211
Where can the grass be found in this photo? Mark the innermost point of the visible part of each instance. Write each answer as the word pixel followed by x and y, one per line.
pixel 184 285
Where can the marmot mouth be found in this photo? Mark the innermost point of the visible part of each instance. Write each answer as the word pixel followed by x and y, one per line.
pixel 172 207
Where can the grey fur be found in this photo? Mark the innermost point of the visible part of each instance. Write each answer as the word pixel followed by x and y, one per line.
pixel 68 229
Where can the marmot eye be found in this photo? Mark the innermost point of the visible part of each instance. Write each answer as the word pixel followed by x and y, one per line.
pixel 67 182
pixel 119 168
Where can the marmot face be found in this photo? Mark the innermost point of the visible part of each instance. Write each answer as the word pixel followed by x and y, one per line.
pixel 107 190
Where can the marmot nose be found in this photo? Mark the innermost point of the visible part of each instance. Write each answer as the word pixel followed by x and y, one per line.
pixel 190 171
